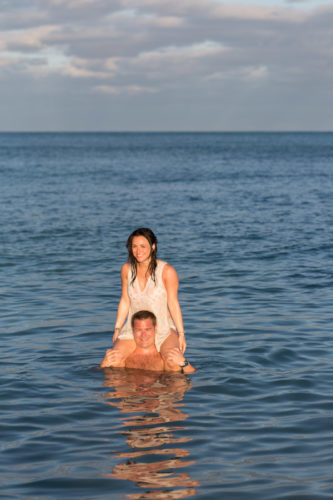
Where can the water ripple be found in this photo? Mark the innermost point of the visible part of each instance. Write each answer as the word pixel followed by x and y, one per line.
pixel 246 221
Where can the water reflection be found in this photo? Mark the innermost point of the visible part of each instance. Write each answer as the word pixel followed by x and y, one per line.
pixel 156 399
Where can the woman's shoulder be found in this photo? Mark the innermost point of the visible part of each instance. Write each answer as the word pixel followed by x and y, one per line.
pixel 161 264
pixel 124 269
pixel 167 270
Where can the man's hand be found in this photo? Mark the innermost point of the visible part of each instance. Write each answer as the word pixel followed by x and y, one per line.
pixel 175 356
pixel 175 359
pixel 114 358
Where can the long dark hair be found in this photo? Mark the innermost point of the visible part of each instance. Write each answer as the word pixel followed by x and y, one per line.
pixel 152 240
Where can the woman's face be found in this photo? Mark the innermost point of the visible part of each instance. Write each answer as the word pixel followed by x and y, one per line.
pixel 141 249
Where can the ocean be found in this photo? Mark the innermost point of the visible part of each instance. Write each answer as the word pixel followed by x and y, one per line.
pixel 246 220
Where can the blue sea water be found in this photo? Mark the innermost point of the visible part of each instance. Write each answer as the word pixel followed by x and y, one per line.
pixel 246 220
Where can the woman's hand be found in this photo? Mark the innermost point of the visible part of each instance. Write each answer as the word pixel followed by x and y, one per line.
pixel 115 334
pixel 182 343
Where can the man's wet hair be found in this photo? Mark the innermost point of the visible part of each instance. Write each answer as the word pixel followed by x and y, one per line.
pixel 140 315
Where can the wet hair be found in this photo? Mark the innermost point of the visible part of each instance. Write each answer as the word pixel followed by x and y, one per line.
pixel 152 240
pixel 140 315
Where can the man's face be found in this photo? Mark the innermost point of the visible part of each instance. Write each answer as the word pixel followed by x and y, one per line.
pixel 144 332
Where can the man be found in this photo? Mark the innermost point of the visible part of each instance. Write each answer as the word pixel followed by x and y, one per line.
pixel 145 356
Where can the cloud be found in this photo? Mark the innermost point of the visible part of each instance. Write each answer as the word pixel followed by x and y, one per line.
pixel 28 40
pixel 172 60
pixel 251 74
pixel 213 9
pixel 128 89
pixel 72 4
pixel 80 68
pixel 149 48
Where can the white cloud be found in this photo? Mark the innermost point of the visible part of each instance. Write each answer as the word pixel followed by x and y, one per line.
pixel 162 22
pixel 253 9
pixel 27 40
pixel 73 4
pixel 174 55
pixel 7 60
pixel 79 68
pixel 257 73
pixel 126 89
pixel 255 12
pixel 246 73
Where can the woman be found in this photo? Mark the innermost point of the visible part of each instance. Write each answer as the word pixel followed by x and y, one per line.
pixel 148 284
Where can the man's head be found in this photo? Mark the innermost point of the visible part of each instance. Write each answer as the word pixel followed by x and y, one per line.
pixel 144 328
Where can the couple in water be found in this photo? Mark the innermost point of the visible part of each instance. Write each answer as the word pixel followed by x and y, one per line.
pixel 148 308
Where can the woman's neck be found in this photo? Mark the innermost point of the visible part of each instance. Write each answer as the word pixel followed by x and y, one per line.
pixel 142 267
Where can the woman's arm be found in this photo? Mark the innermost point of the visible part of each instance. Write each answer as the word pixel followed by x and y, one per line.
pixel 124 302
pixel 170 280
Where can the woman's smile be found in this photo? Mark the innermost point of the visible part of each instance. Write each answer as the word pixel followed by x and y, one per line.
pixel 141 249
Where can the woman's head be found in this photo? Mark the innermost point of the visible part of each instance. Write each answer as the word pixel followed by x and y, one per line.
pixel 142 245
pixel 137 235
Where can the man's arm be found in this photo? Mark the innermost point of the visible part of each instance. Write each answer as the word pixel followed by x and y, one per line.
pixel 188 368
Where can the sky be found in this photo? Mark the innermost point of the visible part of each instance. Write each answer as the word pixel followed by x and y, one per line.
pixel 166 65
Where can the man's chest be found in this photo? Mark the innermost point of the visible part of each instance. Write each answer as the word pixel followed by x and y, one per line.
pixel 153 362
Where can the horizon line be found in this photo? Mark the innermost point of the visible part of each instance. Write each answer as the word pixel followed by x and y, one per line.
pixel 294 131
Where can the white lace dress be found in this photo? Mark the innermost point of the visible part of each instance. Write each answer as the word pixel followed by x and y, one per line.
pixel 153 298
